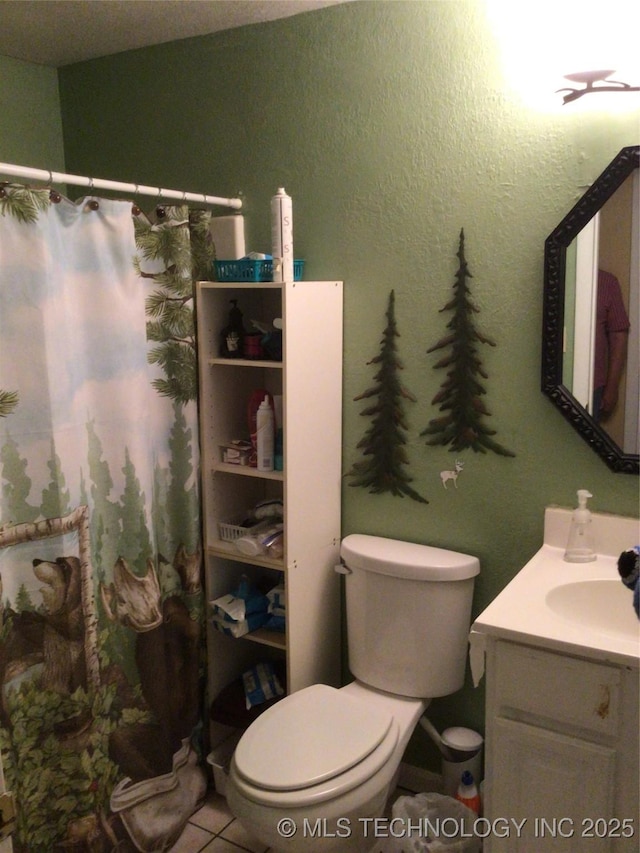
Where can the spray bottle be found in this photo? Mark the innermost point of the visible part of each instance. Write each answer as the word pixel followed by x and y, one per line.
pixel 282 236
pixel 580 547
pixel 265 435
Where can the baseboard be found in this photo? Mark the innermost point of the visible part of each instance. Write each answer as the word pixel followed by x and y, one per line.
pixel 418 779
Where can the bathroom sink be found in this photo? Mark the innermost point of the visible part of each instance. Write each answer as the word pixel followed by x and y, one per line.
pixel 581 609
pixel 604 606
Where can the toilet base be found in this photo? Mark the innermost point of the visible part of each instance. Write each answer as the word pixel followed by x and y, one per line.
pixel 304 831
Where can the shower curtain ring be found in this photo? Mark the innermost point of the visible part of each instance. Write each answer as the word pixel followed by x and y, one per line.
pixel 54 196
pixel 135 207
pixel 93 204
pixel 160 211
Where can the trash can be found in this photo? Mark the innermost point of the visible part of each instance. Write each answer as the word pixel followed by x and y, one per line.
pixel 465 748
pixel 429 823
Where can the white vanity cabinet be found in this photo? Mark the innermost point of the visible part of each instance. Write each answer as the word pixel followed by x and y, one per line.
pixel 309 380
pixel 561 752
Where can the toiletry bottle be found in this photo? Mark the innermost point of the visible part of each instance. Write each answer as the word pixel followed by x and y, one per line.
pixel 265 436
pixel 467 793
pixel 282 236
pixel 253 405
pixel 580 547
pixel 232 335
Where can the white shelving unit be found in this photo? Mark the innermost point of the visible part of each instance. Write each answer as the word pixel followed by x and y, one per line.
pixel 309 379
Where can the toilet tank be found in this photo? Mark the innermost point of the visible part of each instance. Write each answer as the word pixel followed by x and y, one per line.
pixel 408 614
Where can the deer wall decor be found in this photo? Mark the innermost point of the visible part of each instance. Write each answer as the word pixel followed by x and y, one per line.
pixel 445 476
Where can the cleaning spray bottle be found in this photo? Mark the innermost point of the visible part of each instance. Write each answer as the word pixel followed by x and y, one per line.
pixel 467 793
pixel 580 548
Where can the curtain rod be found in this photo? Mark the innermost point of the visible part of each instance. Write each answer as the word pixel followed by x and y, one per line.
pixel 100 183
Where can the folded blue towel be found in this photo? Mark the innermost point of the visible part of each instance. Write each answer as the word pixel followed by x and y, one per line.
pixel 261 684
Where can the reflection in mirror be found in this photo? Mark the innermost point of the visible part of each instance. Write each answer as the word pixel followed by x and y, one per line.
pixel 592 314
pixel 600 361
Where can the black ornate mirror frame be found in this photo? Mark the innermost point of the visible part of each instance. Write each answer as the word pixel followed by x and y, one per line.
pixel 555 252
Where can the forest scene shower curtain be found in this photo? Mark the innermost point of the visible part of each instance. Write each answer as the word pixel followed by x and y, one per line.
pixel 101 607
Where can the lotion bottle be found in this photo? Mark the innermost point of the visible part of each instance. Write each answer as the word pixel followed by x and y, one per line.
pixel 580 548
pixel 265 436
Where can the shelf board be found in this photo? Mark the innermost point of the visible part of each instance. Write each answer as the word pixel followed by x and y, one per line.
pixel 246 362
pixel 246 471
pixel 242 285
pixel 275 639
pixel 228 551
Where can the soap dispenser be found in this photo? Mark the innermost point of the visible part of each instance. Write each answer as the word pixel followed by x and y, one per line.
pixel 580 547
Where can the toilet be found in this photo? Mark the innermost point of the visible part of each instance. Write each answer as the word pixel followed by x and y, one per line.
pixel 315 768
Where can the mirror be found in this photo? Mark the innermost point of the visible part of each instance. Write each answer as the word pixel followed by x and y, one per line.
pixel 594 252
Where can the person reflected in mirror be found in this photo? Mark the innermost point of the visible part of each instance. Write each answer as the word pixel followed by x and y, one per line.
pixel 612 333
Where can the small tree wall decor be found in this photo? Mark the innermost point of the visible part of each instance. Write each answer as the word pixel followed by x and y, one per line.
pixel 383 443
pixel 460 395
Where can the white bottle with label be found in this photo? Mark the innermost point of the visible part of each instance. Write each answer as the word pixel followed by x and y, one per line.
pixel 282 236
pixel 265 435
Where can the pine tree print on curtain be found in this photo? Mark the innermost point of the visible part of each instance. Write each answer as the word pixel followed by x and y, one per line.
pixel 101 606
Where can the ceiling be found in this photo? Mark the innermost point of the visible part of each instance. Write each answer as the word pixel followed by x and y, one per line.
pixel 59 32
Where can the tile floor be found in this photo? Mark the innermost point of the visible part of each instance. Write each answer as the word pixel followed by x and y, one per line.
pixel 213 829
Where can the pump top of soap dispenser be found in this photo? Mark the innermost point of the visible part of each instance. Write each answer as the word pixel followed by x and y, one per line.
pixel 580 548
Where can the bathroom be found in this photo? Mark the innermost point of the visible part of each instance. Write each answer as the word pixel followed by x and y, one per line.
pixel 393 125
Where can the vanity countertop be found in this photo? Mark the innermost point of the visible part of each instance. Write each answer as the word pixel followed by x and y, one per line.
pixel 575 608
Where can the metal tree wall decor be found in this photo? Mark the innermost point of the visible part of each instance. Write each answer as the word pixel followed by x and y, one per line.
pixel 460 395
pixel 383 443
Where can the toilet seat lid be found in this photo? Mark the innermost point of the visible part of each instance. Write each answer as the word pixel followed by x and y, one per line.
pixel 308 737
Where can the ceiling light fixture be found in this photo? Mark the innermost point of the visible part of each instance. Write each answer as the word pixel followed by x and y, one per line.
pixel 590 79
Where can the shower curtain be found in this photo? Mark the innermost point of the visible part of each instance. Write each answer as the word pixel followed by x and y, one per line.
pixel 101 609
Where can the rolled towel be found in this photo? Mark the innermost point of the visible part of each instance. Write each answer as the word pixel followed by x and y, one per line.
pixel 629 568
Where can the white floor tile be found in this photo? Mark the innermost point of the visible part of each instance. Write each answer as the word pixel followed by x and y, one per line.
pixel 192 840
pixel 220 845
pixel 214 814
pixel 236 833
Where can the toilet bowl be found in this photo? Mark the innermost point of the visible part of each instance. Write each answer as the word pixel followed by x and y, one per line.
pixel 352 740
pixel 315 769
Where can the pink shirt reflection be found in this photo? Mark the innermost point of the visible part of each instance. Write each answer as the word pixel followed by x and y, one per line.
pixel 611 317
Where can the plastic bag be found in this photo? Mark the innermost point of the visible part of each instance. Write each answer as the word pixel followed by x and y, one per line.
pixel 429 823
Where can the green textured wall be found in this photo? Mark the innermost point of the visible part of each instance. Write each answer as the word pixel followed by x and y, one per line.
pixel 31 126
pixel 392 127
